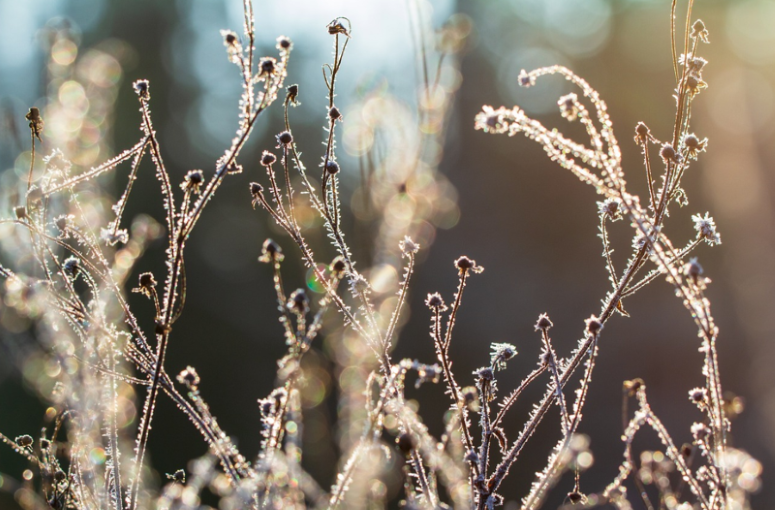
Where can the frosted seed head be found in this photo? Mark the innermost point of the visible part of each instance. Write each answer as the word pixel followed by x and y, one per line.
pixel 267 158
pixel 284 43
pixel 178 476
pixel 45 444
pixel 338 266
pixel 632 387
pixel 593 325
pixel 285 138
pixel 435 302
pixel 24 441
pixel 575 497
pixel 298 302
pixel 699 31
pixel 189 377
pixel 271 252
pixel 465 264
pixel 700 431
pixel 332 167
pixel 72 267
pixel 642 133
pixel 147 280
pixel 693 269
pixel 706 229
pixel 255 188
pixel 408 246
pixel 543 323
pixel 525 79
pixel 61 224
pixel 405 443
pixel 20 212
pixel 268 66
pixel 291 94
pixel 193 181
pixel 142 89
pixel 668 154
pixel 229 38
pixel 35 194
pixel 686 450
pixel 334 113
pixel 485 374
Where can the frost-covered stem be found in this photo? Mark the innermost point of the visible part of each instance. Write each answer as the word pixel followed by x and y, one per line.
pixel 399 305
pixel 653 275
pixel 506 404
pixel 607 251
pixel 649 175
pixel 557 386
pixel 417 465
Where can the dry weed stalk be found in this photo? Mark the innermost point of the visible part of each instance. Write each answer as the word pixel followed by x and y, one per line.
pixel 79 276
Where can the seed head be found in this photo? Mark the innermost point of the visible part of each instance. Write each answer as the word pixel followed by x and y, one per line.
pixel 142 89
pixel 408 246
pixel 24 441
pixel 285 138
pixel 700 32
pixel 485 374
pixel 298 302
pixel 686 450
pixel 332 167
pixel 291 94
pixel 668 154
pixel 60 476
pixel 699 396
pixel 189 377
pixel 569 106
pixel 72 267
pixel 642 133
pixel 178 476
pixel 268 66
pixel 706 229
pixel 543 323
pixel 465 264
pixel 45 444
pixel 700 431
pixel 435 302
pixel 146 284
pixel 575 497
pixel 694 145
pixel 255 188
pixel 593 325
pixel 405 443
pixel 271 252
pixel 334 113
pixel 284 43
pixel 267 158
pixel 193 181
pixel 632 387
pixel 525 79
pixel 20 212
pixel 338 266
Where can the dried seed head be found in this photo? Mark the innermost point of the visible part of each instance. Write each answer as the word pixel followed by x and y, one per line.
pixel 642 133
pixel 255 188
pixel 632 387
pixel 686 450
pixel 699 31
pixel 35 194
pixel 24 441
pixel 45 444
pixel 700 431
pixel 267 158
pixel 699 396
pixel 543 323
pixel 569 106
pixel 693 269
pixel 501 353
pixel 338 266
pixel 60 476
pixel 147 280
pixel 668 154
pixel 189 377
pixel 332 167
pixel 284 43
pixel 178 476
pixel 285 138
pixel 268 66
pixel 525 79
pixel 435 302
pixel 61 223
pixel 271 252
pixel 405 443
pixel 72 267
pixel 334 113
pixel 470 395
pixel 485 374
pixel 229 38
pixel 408 246
pixel 142 89
pixel 575 497
pixel 465 264
pixel 706 229
pixel 36 121
pixel 298 302
pixel 593 325
pixel 611 207
pixel 694 84
pixel 193 181
pixel 336 27
pixel 20 212
pixel 291 94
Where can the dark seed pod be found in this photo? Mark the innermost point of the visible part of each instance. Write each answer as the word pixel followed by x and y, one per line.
pixel 405 443
pixel 332 167
pixel 267 158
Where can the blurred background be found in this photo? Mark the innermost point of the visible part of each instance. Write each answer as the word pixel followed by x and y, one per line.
pixel 532 225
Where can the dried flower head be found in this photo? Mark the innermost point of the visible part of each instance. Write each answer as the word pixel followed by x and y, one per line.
pixel 405 443
pixel 642 133
pixel 569 106
pixel 332 167
pixel 20 212
pixel 700 431
pixel 142 89
pixel 284 43
pixel 193 181
pixel 699 31
pixel 284 138
pixel 24 441
pixel 501 353
pixel 525 79
pixel 72 267
pixel 271 252
pixel 699 396
pixel 298 302
pixel 408 247
pixel 706 229
pixel 543 323
pixel 291 95
pixel 694 145
pixel 435 302
pixel 336 27
pixel 189 377
pixel 233 46
pixel 267 158
pixel 611 208
pixel 668 154
pixel 36 121
pixel 178 476
pixel 338 266
pixel 465 264
pixel 146 285
pixel 334 114
pixel 485 374
pixel 267 66
pixel 593 325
